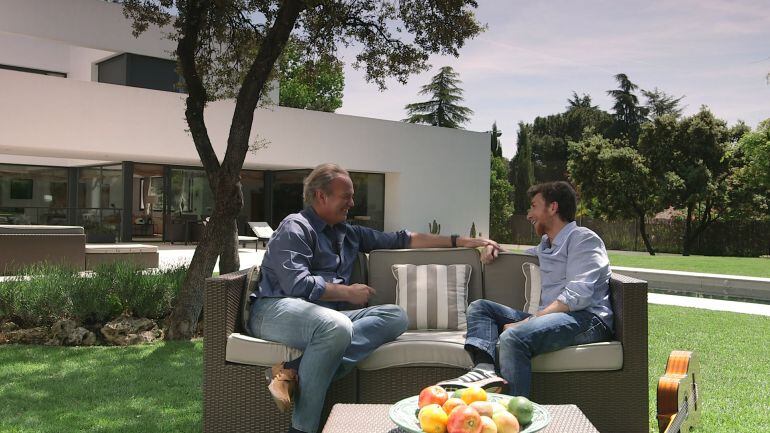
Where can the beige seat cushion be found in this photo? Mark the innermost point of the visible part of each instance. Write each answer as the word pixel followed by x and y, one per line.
pixel 445 348
pixel 243 349
pixel 433 348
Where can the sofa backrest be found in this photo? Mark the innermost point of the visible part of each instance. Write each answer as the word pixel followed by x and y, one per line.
pixel 381 274
pixel 504 279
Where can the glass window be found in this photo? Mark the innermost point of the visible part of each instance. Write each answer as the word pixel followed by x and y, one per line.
pixel 100 198
pixel 369 209
pixel 287 193
pixel 190 193
pixel 33 194
pixel 253 186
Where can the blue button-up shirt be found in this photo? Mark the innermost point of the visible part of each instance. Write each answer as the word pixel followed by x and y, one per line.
pixel 305 253
pixel 575 270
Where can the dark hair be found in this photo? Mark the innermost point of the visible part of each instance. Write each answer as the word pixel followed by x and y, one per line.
pixel 560 192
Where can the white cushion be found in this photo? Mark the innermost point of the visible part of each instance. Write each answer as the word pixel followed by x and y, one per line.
pixel 255 351
pixel 433 296
pixel 532 287
pixel 433 348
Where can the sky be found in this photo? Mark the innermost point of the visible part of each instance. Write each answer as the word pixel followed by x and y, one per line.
pixel 534 54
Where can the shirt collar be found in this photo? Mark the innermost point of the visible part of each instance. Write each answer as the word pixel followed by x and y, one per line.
pixel 315 221
pixel 563 233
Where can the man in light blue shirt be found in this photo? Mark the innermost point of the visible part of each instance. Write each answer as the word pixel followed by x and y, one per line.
pixel 574 304
pixel 305 292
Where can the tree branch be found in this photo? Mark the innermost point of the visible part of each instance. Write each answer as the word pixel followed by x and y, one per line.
pixel 192 15
pixel 254 82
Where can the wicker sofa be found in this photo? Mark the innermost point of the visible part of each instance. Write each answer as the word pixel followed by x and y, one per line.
pixel 608 381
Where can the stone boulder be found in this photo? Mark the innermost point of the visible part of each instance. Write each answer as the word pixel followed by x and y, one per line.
pixel 125 331
pixel 39 335
pixel 67 333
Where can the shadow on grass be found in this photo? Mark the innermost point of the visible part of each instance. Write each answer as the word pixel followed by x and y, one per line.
pixel 151 388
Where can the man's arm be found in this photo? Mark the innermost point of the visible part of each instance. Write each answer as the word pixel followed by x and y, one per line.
pixel 587 267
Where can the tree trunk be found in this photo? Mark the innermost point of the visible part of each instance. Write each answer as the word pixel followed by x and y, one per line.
pixel 228 259
pixel 219 237
pixel 645 236
pixel 687 230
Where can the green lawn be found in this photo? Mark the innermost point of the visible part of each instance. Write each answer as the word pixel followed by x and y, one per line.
pixel 157 388
pixel 748 266
pixel 141 389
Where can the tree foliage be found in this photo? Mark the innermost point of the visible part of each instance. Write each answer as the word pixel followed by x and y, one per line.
pixel 229 48
pixel 629 115
pixel 659 103
pixel 500 208
pixel 690 158
pixel 310 83
pixel 495 146
pixel 522 171
pixel 615 179
pixel 443 108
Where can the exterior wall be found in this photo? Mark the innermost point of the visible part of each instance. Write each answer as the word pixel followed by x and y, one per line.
pixel 82 23
pixel 430 172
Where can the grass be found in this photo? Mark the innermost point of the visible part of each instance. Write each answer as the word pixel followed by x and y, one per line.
pixel 157 388
pixel 141 389
pixel 747 266
pixel 733 353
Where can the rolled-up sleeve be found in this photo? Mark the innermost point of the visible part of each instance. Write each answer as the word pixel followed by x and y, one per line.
pixel 372 239
pixel 291 253
pixel 587 271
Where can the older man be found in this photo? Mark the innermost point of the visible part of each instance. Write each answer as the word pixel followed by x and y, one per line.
pixel 305 286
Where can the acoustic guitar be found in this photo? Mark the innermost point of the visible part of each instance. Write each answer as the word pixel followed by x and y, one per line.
pixel 678 399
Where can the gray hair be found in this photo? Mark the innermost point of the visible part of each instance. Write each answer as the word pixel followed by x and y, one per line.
pixel 319 179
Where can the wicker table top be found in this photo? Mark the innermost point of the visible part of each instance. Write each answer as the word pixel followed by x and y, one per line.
pixel 373 418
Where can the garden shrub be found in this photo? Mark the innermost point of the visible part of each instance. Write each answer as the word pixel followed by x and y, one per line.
pixel 42 294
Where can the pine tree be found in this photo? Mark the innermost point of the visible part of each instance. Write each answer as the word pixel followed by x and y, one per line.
pixel 522 172
pixel 442 109
pixel 496 146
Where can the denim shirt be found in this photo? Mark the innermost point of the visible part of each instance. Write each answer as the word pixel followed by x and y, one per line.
pixel 305 253
pixel 575 270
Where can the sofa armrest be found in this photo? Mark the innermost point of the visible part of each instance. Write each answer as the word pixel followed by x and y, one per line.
pixel 629 305
pixel 221 307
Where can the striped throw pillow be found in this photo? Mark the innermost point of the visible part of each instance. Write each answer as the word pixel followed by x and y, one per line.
pixel 532 287
pixel 433 296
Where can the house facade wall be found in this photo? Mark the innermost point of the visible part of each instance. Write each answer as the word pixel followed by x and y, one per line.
pixel 430 173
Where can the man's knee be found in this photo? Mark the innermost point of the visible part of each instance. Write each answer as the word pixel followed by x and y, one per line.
pixel 477 307
pixel 396 317
pixel 336 330
pixel 514 339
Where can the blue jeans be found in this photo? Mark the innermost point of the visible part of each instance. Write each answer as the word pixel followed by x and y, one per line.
pixel 518 345
pixel 332 341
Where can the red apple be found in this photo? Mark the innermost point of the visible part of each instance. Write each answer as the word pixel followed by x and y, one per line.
pixel 487 425
pixel 464 419
pixel 506 422
pixel 432 395
pixel 484 408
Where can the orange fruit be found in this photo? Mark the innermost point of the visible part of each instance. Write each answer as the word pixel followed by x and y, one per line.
pixel 452 403
pixel 433 419
pixel 474 393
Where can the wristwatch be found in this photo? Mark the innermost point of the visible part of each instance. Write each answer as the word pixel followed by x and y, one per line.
pixel 454 240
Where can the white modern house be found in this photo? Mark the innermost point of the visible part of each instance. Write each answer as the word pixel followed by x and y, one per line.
pixel 92 132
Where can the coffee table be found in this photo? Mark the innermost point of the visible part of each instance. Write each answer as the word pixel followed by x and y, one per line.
pixel 373 418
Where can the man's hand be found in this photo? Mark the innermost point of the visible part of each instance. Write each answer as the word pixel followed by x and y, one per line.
pixel 515 324
pixel 489 254
pixel 476 242
pixel 359 294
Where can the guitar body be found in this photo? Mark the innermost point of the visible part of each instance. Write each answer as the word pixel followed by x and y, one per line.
pixel 678 404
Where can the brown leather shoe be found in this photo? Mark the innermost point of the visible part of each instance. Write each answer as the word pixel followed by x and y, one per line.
pixel 283 383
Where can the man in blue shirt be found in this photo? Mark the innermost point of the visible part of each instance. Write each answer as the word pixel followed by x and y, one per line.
pixel 305 287
pixel 574 305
